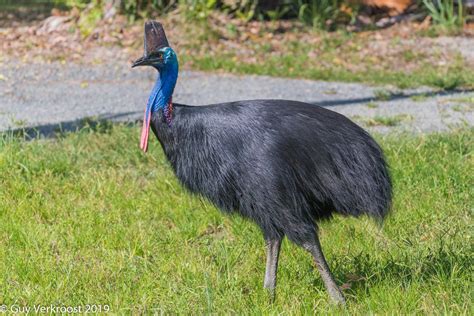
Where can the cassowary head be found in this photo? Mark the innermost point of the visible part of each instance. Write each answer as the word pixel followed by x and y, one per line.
pixel 157 52
pixel 160 56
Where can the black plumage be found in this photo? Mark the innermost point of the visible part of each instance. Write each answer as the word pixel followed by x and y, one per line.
pixel 285 165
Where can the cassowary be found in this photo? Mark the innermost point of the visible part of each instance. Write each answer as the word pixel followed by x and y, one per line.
pixel 284 165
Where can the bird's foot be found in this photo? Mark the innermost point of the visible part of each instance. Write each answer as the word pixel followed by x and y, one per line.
pixel 270 292
pixel 337 297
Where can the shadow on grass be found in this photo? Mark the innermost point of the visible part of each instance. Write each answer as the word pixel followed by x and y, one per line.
pixel 101 124
pixel 432 266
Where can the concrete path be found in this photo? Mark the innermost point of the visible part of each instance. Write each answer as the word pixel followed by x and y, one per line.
pixel 46 96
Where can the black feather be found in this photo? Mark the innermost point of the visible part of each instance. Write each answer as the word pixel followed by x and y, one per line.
pixel 282 164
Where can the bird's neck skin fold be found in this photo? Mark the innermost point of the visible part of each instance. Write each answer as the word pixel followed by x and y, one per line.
pixel 160 97
pixel 163 89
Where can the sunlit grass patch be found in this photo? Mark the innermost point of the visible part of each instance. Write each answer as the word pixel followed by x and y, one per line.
pixel 378 120
pixel 89 218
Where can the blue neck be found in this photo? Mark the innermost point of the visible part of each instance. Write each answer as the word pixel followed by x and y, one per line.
pixel 163 88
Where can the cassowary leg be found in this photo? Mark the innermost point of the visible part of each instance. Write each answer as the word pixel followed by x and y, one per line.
pixel 273 251
pixel 315 249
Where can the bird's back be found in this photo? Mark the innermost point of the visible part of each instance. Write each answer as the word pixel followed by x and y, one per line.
pixel 262 156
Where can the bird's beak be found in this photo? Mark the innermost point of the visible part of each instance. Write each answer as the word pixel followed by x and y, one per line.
pixel 142 61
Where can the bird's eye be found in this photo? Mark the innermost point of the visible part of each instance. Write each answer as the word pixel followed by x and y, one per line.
pixel 158 55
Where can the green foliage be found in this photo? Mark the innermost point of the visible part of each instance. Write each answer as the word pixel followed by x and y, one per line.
pixel 243 9
pixel 145 7
pixel 372 105
pixel 75 3
pixel 449 81
pixel 277 13
pixel 89 19
pixel 318 13
pixel 443 13
pixel 197 9
pixel 88 218
pixel 383 94
pixel 387 120
pixel 131 8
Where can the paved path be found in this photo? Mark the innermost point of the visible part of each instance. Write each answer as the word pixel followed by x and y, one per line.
pixel 46 95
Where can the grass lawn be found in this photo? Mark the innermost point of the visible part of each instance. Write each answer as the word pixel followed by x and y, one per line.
pixel 88 218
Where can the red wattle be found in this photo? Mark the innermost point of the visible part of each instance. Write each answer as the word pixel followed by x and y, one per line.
pixel 145 131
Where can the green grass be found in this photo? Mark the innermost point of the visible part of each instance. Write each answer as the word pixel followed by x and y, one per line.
pixel 382 120
pixel 419 97
pixel 388 120
pixel 372 105
pixel 88 218
pixel 466 100
pixel 296 66
pixel 383 95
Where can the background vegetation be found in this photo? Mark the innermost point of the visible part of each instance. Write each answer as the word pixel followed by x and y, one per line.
pixel 307 10
pixel 323 14
pixel 314 39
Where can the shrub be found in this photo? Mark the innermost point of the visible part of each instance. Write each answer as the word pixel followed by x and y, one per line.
pixel 445 14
